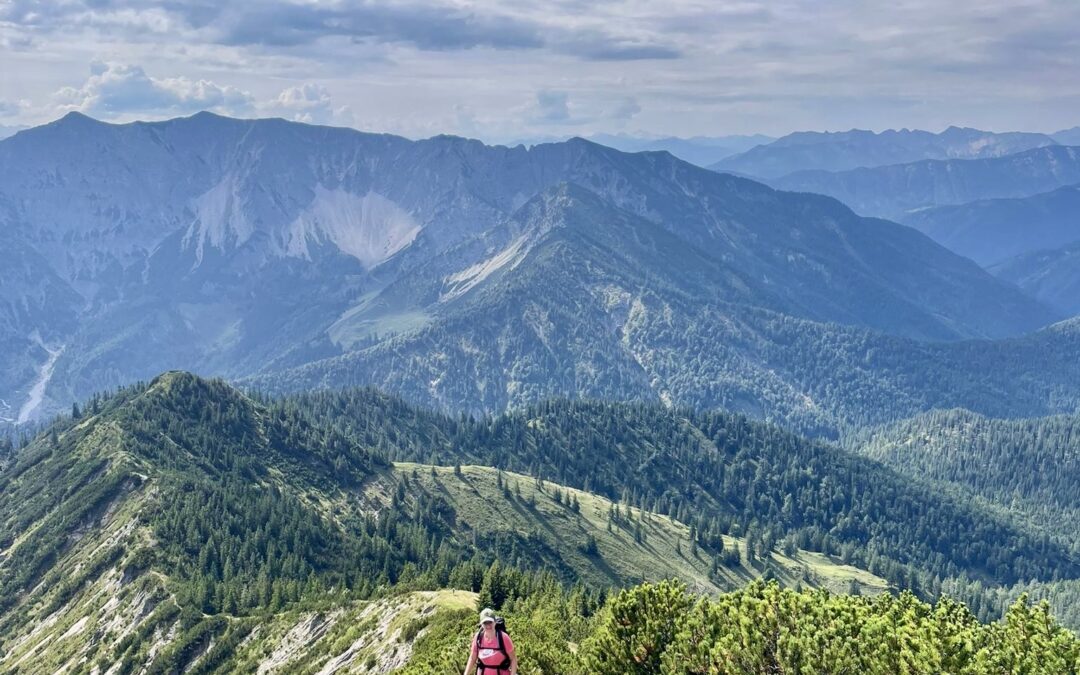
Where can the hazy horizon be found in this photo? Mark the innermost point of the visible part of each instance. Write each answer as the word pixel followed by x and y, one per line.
pixel 599 137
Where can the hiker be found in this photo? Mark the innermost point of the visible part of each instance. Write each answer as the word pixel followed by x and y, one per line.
pixel 492 650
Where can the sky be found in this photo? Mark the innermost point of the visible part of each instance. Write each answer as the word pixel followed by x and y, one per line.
pixel 509 69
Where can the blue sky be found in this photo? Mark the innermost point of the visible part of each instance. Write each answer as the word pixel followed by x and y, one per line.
pixel 500 70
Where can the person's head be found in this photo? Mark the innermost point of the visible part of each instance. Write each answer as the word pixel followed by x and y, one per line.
pixel 487 619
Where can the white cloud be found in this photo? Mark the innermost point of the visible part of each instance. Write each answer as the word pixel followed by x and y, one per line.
pixel 116 88
pixel 309 103
pixel 13 108
pixel 682 67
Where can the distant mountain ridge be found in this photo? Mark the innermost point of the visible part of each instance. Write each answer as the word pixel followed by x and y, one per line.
pixel 992 231
pixel 1068 136
pixel 847 150
pixel 900 191
pixel 1016 215
pixel 1053 276
pixel 6 131
pixel 1033 242
pixel 242 247
pixel 700 150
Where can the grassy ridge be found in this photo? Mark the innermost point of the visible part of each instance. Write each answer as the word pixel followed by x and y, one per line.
pixel 542 514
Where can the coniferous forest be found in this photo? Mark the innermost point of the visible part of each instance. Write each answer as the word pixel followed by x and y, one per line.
pixel 216 515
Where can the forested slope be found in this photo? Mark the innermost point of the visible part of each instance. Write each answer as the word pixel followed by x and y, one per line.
pixel 180 523
pixel 1029 465
pixel 724 472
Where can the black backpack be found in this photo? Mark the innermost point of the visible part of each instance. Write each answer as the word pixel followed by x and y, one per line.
pixel 500 630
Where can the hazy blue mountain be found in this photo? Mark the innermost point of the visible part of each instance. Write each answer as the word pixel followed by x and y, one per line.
pixel 845 150
pixel 899 190
pixel 822 379
pixel 1068 136
pixel 991 231
pixel 250 247
pixel 700 150
pixel 1052 276
pixel 6 131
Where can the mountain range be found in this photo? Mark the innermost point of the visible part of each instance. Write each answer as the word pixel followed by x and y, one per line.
pixel 1010 208
pixel 454 376
pixel 901 191
pixel 1068 136
pixel 462 275
pixel 1029 241
pixel 1053 276
pixel 848 150
pixel 700 150
pixel 992 231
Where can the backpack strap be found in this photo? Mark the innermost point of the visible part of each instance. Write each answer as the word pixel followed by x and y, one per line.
pixel 502 648
pixel 479 637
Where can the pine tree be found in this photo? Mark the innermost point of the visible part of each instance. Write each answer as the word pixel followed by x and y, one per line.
pixel 493 589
